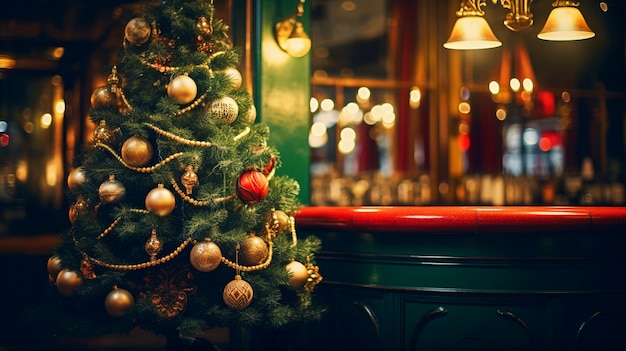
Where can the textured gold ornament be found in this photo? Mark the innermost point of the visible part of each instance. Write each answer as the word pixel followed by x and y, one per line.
pixel 167 289
pixel 79 208
pixel 137 151
pixel 111 190
pixel 238 293
pixel 76 177
pixel 153 246
pixel 283 220
pixel 118 302
pixel 182 89
pixel 205 256
pixel 137 31
pixel 298 275
pixel 224 108
pixel 189 180
pixel 67 281
pixel 254 250
pixel 160 201
pixel 103 134
pixel 203 26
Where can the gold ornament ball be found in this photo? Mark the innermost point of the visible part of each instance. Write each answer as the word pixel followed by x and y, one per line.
pixel 298 275
pixel 111 190
pixel 238 293
pixel 54 266
pixel 76 177
pixel 103 134
pixel 284 222
pixel 253 251
pixel 137 151
pixel 79 208
pixel 103 96
pixel 160 201
pixel 182 89
pixel 67 281
pixel 118 302
pixel 224 108
pixel 234 76
pixel 252 114
pixel 137 31
pixel 205 256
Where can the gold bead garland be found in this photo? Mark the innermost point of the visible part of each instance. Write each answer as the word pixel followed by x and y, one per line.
pixel 116 221
pixel 138 266
pixel 195 202
pixel 178 139
pixel 140 169
pixel 256 267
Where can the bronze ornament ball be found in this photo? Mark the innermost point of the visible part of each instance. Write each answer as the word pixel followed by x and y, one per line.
pixel 54 266
pixel 205 256
pixel 137 31
pixel 118 302
pixel 67 281
pixel 252 186
pixel 298 273
pixel 137 151
pixel 182 89
pixel 102 97
pixel 238 293
pixel 103 134
pixel 253 251
pixel 284 221
pixel 76 177
pixel 160 200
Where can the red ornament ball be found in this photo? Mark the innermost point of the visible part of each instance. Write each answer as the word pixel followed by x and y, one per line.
pixel 252 186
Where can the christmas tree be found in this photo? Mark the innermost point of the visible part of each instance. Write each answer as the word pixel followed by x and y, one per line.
pixel 180 221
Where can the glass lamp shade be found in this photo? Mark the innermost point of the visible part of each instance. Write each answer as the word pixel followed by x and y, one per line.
pixel 471 33
pixel 565 23
pixel 298 44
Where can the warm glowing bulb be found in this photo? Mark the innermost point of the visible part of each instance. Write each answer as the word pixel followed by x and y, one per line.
pixel 494 87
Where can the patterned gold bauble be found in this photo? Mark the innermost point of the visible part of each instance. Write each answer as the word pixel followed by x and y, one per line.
pixel 234 76
pixel 67 281
pixel 111 190
pixel 76 177
pixel 298 275
pixel 54 266
pixel 103 134
pixel 137 151
pixel 161 201
pixel 224 108
pixel 254 250
pixel 103 97
pixel 283 221
pixel 205 256
pixel 189 179
pixel 118 302
pixel 182 89
pixel 238 293
pixel 153 245
pixel 137 31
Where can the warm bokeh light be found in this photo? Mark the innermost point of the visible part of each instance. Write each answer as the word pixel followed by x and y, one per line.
pixel 327 105
pixel 515 84
pixel 415 97
pixel 494 87
pixel 46 120
pixel 464 107
pixel 314 104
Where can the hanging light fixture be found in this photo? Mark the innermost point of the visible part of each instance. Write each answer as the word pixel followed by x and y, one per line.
pixel 291 36
pixel 471 31
pixel 565 22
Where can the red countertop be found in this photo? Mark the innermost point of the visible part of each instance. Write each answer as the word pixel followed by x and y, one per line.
pixel 463 219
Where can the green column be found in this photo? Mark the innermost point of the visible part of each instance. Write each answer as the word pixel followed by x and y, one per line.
pixel 282 91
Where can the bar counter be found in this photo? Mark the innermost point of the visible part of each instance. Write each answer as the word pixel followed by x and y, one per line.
pixel 470 278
